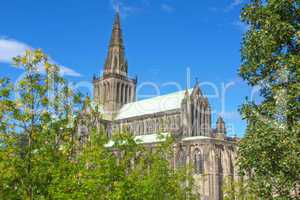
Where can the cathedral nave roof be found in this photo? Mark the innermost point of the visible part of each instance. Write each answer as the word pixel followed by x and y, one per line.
pixel 153 105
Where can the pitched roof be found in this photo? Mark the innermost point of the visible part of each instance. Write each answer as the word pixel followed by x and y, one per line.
pixel 153 105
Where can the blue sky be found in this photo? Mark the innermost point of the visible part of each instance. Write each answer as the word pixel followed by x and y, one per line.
pixel 164 40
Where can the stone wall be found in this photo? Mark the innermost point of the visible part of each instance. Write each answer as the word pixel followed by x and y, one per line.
pixel 212 161
pixel 150 124
pixel 113 90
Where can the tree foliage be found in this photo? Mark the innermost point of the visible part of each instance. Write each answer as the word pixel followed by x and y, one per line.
pixel 41 156
pixel 125 170
pixel 269 154
pixel 36 127
pixel 237 189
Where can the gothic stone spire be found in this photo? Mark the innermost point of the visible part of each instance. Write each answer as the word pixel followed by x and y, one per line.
pixel 116 62
pixel 116 37
pixel 114 88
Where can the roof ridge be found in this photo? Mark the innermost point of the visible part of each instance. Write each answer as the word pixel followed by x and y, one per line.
pixel 168 94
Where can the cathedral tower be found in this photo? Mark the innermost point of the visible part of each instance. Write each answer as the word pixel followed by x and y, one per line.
pixel 114 88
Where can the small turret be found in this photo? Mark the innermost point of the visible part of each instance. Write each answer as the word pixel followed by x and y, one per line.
pixel 186 114
pixel 220 128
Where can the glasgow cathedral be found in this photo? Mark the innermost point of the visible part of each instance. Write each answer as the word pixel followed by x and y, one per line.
pixel 186 114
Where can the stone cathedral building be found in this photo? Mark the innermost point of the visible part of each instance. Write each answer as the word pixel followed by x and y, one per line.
pixel 185 113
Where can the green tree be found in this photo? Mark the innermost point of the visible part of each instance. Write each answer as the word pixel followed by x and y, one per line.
pixel 36 132
pixel 41 156
pixel 237 189
pixel 124 170
pixel 269 153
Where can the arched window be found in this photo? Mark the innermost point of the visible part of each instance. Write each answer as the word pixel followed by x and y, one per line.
pixel 198 162
pixel 161 125
pixel 122 93
pixel 220 163
pixel 126 94
pixel 157 128
pixel 178 122
pixel 118 92
pixel 181 158
pixel 174 125
pixel 167 124
pixel 141 128
pixel 129 94
pixel 147 128
pixel 103 93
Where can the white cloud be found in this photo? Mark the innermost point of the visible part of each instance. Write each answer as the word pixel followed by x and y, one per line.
pixel 69 72
pixel 167 8
pixel 10 48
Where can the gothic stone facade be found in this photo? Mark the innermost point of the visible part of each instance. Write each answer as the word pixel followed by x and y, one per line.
pixel 185 113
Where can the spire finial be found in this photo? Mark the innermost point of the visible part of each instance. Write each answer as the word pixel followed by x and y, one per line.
pixel 197 91
pixel 117 9
pixel 196 82
pixel 117 18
